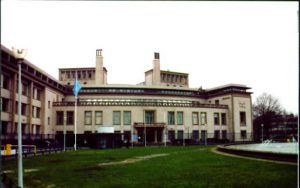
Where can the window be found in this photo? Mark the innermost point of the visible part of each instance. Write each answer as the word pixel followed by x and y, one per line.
pixel 223 119
pixel 195 135
pixel 217 134
pixel 25 89
pixel 38 129
pixel 98 118
pixel 38 112
pixel 171 135
pixel 224 134
pixel 195 118
pixel 179 134
pixel 127 117
pixel 4 128
pixel 59 117
pixel 49 104
pixel 179 118
pixel 171 118
pixel 32 111
pixel 23 109
pixel 149 117
pixel 5 82
pixel 117 118
pixel 217 102
pixel 24 128
pixel 203 118
pixel 243 134
pixel 70 117
pixel 243 118
pixel 87 117
pixel 38 94
pixel 203 135
pixel 5 104
pixel 216 119
pixel 48 120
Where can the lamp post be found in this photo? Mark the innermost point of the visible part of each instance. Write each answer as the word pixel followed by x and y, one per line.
pixel 65 121
pixel 19 54
pixel 262 133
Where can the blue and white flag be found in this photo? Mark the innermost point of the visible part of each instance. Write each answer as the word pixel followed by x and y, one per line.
pixel 76 88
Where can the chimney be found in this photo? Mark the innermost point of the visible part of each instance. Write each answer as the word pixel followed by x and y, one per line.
pixel 99 74
pixel 156 69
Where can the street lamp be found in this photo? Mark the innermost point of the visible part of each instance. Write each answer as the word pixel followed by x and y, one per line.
pixel 262 133
pixel 19 54
pixel 65 121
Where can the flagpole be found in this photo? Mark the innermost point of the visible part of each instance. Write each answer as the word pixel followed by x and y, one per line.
pixel 165 135
pixel 76 90
pixel 145 131
pixel 75 125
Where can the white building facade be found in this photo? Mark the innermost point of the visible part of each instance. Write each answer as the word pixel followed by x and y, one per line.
pixel 161 109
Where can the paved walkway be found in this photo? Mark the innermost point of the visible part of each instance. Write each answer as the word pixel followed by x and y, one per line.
pixel 251 158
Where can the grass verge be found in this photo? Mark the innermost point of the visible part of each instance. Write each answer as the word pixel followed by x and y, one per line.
pixel 177 167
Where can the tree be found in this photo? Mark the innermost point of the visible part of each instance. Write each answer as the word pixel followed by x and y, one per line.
pixel 265 108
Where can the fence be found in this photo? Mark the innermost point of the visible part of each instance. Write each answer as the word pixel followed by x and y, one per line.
pixel 116 140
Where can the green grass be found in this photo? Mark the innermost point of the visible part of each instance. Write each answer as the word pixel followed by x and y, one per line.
pixel 183 167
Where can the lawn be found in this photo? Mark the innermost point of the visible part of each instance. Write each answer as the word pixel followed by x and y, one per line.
pixel 151 167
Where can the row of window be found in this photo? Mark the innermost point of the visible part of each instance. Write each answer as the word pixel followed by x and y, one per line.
pixel 136 90
pixel 174 118
pixel 35 129
pixel 6 84
pixel 88 117
pixel 203 118
pixel 80 74
pixel 173 78
pixel 36 111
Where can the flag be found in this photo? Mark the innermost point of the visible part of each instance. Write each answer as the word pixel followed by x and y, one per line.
pixel 76 88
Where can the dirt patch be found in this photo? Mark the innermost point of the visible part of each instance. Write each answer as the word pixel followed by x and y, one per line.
pixel 134 160
pixel 30 170
pixel 101 166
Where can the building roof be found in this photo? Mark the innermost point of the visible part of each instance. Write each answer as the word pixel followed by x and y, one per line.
pixel 228 86
pixel 79 68
pixel 168 72
pixel 28 63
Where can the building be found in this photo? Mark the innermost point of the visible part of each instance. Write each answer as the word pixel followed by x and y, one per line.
pixel 284 126
pixel 162 108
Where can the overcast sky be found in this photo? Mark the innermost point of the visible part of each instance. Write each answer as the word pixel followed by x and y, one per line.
pixel 217 43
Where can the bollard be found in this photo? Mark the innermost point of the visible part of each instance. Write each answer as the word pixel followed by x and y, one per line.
pixel 8 149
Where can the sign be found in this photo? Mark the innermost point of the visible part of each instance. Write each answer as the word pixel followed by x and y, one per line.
pixel 105 130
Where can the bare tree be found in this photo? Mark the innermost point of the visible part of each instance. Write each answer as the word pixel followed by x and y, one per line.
pixel 265 108
pixel 266 104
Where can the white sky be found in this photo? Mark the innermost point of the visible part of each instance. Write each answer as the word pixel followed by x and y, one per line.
pixel 217 43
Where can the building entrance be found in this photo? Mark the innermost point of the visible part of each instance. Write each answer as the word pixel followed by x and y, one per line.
pixel 152 133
